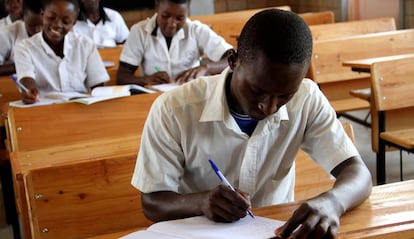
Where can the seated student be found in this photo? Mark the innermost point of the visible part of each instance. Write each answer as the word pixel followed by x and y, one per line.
pixel 14 10
pixel 104 26
pixel 17 31
pixel 57 59
pixel 251 119
pixel 168 47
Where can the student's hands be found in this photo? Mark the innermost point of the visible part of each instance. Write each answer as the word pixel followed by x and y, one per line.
pixel 157 78
pixel 191 74
pixel 30 97
pixel 315 218
pixel 224 205
pixel 32 94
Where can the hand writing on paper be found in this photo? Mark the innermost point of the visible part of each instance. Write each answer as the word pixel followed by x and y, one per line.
pixel 31 96
pixel 224 205
pixel 315 218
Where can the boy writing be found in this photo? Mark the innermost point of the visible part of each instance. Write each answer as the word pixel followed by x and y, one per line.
pixel 251 120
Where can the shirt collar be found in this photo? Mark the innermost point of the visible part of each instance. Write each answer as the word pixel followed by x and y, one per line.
pixel 66 45
pixel 217 109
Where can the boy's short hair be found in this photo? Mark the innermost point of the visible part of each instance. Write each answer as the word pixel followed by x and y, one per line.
pixel 281 36
pixel 34 6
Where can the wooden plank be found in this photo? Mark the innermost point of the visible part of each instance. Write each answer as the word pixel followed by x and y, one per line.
pixel 118 117
pixel 387 213
pixel 328 55
pixel 81 200
pixel 352 28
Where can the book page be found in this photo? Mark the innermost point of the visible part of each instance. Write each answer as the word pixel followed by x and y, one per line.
pixel 202 228
pixel 164 87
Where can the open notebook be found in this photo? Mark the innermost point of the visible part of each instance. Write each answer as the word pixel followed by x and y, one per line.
pixel 202 228
pixel 98 94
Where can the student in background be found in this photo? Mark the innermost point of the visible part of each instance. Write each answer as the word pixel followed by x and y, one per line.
pixel 14 11
pixel 168 48
pixel 57 59
pixel 251 120
pixel 106 27
pixel 17 31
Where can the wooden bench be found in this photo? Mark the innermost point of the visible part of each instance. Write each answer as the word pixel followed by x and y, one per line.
pixel 392 90
pixel 336 81
pixel 229 24
pixel 352 28
pixel 75 134
pixel 35 128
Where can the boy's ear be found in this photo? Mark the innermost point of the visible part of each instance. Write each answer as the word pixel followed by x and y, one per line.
pixel 232 58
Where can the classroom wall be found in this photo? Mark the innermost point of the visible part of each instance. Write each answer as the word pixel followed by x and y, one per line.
pixel 369 9
pixel 407 7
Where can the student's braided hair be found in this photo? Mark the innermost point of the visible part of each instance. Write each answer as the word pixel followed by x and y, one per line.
pixel 282 36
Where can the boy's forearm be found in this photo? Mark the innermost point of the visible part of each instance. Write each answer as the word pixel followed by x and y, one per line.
pixel 166 205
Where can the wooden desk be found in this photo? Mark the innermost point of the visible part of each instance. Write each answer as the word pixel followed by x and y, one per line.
pixel 65 137
pixel 396 120
pixel 364 65
pixel 388 213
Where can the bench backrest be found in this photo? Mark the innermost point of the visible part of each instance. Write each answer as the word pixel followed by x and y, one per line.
pixel 64 124
pixel 229 24
pixel 351 28
pixel 328 55
pixel 337 80
pixel 393 84
pixel 85 199
pixel 392 87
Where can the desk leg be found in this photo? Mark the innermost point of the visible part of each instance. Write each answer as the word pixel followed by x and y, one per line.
pixel 381 163
pixel 21 201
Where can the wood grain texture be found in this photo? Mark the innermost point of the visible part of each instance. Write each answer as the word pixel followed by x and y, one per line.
pixel 51 125
pixel 387 213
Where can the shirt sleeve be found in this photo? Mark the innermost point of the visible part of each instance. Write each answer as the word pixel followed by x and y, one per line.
pixel 23 60
pixel 210 43
pixel 95 69
pixel 159 166
pixel 133 50
pixel 122 30
pixel 325 138
pixel 5 44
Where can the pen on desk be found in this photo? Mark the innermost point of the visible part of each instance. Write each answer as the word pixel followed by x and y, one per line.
pixel 20 85
pixel 225 181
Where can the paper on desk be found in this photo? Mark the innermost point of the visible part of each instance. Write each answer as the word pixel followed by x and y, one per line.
pixel 202 228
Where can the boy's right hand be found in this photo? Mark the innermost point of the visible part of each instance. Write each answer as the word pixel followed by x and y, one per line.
pixel 30 97
pixel 224 205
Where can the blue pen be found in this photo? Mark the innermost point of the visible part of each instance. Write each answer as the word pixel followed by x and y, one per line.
pixel 20 85
pixel 225 181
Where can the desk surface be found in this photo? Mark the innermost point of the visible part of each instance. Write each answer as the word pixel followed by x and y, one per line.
pixel 364 65
pixel 388 213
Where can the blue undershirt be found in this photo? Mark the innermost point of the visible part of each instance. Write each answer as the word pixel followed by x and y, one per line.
pixel 246 124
